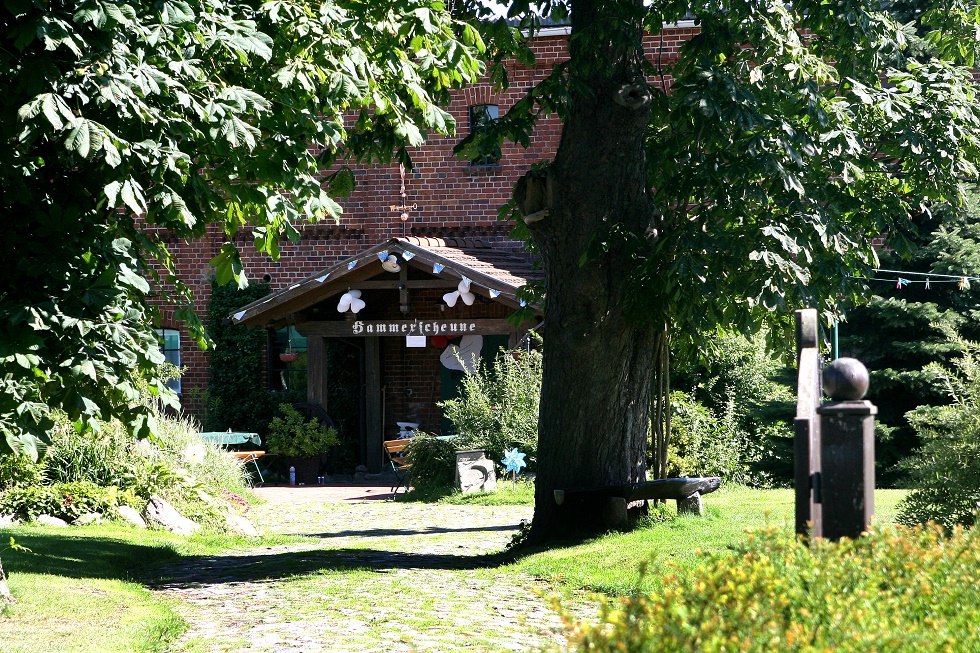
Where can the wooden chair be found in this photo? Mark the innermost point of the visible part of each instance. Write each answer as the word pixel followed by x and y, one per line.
pixel 399 462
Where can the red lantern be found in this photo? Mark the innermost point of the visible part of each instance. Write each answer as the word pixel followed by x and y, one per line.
pixel 439 342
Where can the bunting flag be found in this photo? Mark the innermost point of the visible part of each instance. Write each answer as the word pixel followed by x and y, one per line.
pixel 383 255
pixel 437 268
pixel 352 264
pixel 408 256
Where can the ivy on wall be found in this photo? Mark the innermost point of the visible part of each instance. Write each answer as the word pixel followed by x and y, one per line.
pixel 237 396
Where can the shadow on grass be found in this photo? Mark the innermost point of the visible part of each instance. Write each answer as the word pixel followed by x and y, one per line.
pixel 84 556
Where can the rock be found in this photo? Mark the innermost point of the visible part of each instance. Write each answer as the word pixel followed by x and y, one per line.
pixel 160 512
pixel 8 520
pixel 88 518
pixel 692 505
pixel 48 520
pixel 132 516
pixel 240 525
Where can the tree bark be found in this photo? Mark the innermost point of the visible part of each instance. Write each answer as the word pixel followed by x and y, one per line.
pixel 595 397
pixel 5 595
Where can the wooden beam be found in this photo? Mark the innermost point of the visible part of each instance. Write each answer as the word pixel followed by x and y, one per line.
pixel 396 284
pixel 316 371
pixel 374 403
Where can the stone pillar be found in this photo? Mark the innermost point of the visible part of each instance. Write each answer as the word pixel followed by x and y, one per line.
pixel 847 474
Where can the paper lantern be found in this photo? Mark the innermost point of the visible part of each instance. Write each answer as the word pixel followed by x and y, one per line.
pixel 440 342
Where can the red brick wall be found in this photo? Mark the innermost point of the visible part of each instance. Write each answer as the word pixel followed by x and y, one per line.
pixel 454 198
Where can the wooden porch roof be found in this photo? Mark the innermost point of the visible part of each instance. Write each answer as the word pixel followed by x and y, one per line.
pixel 497 270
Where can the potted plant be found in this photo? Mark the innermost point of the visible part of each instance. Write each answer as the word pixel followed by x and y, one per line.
pixel 289 356
pixel 302 443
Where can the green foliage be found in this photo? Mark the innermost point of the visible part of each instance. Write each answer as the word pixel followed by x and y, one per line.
pixel 734 421
pixel 187 114
pixel 944 473
pixel 292 435
pixel 498 406
pixel 19 470
pixel 237 397
pixel 67 501
pixel 705 444
pixel 433 462
pixel 893 590
pixel 899 331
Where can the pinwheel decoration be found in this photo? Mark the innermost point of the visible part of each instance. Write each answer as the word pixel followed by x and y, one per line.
pixel 462 292
pixel 513 461
pixel 351 300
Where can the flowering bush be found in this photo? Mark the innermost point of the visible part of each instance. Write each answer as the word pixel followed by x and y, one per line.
pixel 892 590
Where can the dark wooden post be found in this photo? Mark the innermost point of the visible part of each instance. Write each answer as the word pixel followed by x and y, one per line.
pixel 806 443
pixel 373 403
pixel 847 475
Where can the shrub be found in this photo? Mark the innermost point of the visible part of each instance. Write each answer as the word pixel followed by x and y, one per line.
pixel 945 472
pixel 291 435
pixel 893 590
pixel 101 456
pixel 498 406
pixel 64 500
pixel 176 464
pixel 433 462
pixel 17 469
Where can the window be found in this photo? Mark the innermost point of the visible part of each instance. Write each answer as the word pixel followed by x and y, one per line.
pixel 287 362
pixel 482 116
pixel 170 344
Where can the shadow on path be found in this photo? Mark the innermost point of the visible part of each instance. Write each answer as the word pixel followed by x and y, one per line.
pixel 390 532
pixel 260 567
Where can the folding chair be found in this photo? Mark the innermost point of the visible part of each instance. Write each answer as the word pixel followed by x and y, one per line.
pixel 399 462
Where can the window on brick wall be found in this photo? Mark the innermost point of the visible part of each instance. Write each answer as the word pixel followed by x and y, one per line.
pixel 170 344
pixel 483 116
pixel 288 376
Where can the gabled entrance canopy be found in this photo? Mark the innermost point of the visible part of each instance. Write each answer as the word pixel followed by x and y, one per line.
pixel 410 340
pixel 496 272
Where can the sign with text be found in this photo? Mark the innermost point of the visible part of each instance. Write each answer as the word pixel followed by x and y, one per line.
pixel 446 328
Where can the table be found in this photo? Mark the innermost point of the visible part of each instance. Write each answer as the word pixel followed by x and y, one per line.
pixel 225 438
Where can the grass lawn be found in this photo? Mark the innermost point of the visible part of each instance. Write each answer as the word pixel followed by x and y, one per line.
pixel 610 563
pixel 82 586
pixel 79 589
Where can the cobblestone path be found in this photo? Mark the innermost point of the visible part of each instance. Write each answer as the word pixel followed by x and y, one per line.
pixel 370 576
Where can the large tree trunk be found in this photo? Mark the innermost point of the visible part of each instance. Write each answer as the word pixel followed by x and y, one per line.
pixel 595 397
pixel 5 595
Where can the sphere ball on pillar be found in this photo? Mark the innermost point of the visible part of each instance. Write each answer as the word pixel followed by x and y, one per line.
pixel 846 379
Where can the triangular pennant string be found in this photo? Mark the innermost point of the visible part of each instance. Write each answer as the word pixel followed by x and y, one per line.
pixel 437 268
pixel 352 265
pixel 408 256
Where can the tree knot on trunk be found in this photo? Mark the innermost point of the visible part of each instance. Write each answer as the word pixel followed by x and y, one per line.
pixel 533 195
pixel 633 96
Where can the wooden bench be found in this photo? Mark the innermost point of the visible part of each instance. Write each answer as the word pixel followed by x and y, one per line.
pixel 616 500
pixel 399 461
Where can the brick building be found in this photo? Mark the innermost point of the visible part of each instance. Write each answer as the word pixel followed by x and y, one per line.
pixel 451 223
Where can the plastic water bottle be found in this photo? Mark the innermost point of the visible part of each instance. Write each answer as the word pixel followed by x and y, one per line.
pixel 292 476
